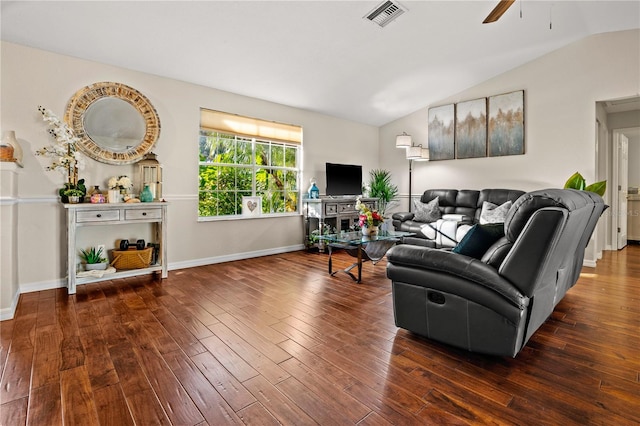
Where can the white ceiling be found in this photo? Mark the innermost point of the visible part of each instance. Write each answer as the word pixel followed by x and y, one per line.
pixel 316 55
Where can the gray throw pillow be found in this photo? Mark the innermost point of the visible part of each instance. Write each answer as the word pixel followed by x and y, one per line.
pixel 492 213
pixel 426 212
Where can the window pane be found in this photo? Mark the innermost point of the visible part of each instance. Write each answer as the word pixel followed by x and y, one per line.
pixel 291 181
pixel 208 204
pixel 227 203
pixel 205 146
pixel 291 204
pixel 244 154
pixel 290 157
pixel 262 179
pixel 277 155
pixel 262 154
pixel 208 177
pixel 226 178
pixel 222 149
pixel 244 180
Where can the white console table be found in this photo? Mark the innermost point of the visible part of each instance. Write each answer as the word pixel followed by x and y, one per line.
pixel 112 215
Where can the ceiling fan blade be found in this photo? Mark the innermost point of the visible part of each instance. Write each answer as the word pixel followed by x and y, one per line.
pixel 497 11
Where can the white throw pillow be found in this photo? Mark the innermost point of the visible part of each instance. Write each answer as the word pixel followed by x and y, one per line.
pixel 427 212
pixel 492 213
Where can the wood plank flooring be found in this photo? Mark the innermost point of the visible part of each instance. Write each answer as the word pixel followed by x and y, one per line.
pixel 275 340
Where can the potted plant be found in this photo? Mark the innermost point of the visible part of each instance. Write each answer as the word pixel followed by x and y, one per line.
pixel 73 193
pixel 93 258
pixel 576 181
pixel 380 187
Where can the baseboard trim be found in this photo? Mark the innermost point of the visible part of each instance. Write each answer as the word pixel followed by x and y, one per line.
pixel 9 313
pixel 231 257
pixel 43 285
pixel 589 263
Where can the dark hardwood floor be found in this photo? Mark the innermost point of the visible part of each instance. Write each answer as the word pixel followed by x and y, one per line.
pixel 276 340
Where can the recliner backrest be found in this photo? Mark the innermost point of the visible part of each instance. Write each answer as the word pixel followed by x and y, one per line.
pixel 549 230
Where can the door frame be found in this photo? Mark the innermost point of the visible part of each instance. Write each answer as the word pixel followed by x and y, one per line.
pixel 615 193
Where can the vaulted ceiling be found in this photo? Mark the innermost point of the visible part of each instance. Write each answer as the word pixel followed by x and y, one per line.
pixel 317 55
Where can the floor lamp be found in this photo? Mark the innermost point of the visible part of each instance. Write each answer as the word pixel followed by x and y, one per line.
pixel 413 153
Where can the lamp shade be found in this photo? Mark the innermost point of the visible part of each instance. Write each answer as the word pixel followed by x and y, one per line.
pixel 403 141
pixel 417 153
pixel 424 155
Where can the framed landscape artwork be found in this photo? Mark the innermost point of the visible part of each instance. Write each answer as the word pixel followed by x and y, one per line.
pixel 471 129
pixel 506 124
pixel 441 133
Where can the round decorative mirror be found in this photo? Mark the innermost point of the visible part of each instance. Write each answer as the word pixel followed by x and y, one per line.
pixel 115 123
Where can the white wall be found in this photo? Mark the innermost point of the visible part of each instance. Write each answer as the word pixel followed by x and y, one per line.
pixel 561 89
pixel 628 120
pixel 32 77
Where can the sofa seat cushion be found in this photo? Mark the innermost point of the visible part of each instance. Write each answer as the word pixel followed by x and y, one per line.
pixel 479 239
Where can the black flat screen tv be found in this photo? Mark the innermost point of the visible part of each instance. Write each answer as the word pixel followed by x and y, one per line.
pixel 343 179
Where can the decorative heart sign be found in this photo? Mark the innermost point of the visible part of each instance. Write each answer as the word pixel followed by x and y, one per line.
pixel 252 205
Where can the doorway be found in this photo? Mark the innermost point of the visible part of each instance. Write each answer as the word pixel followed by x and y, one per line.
pixel 618 161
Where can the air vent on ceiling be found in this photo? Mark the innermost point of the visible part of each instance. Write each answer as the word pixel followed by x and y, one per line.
pixel 385 13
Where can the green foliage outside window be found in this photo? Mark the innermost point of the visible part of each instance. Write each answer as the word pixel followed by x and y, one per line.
pixel 232 167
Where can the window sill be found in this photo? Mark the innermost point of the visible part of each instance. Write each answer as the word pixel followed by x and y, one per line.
pixel 241 217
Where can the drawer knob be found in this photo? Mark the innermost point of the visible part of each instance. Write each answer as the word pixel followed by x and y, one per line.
pixel 144 213
pixel 98 215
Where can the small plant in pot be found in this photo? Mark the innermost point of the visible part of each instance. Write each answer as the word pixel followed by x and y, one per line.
pixel 93 258
pixel 69 192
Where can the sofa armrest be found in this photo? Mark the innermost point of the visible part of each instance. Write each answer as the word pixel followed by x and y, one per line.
pixel 463 267
pixel 403 216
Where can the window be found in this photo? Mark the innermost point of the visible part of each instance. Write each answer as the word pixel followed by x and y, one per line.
pixel 242 156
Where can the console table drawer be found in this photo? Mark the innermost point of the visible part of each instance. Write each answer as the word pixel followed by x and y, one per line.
pixel 330 209
pixel 346 208
pixel 138 214
pixel 97 215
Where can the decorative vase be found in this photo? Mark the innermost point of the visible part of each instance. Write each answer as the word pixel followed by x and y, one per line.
pixel 74 199
pixel 96 266
pixel 114 196
pixel 94 190
pixel 146 196
pixel 369 231
pixel 9 139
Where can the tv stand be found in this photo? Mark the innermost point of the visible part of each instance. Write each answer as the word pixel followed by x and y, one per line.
pixel 330 216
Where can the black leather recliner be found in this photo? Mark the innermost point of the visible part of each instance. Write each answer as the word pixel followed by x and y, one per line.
pixel 494 304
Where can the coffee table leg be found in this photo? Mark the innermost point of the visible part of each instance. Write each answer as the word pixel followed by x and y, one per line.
pixel 359 264
pixel 330 263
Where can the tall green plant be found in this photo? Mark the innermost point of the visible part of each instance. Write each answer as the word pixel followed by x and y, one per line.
pixel 576 181
pixel 380 187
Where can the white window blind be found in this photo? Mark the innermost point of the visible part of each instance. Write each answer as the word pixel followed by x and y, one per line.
pixel 225 122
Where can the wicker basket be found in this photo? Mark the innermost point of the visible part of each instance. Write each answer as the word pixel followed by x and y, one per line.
pixel 132 258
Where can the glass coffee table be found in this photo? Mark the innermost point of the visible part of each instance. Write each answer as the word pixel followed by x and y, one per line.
pixel 363 248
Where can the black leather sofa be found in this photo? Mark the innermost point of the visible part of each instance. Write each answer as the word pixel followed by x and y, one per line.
pixel 494 304
pixel 466 202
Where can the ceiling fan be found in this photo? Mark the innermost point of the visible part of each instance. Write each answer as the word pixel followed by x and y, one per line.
pixel 498 11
